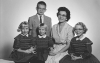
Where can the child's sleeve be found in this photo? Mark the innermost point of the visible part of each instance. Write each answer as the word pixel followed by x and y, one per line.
pixel 88 50
pixel 16 43
pixel 51 42
pixel 34 41
pixel 70 49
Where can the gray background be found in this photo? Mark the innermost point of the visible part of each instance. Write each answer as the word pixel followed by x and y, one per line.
pixel 12 12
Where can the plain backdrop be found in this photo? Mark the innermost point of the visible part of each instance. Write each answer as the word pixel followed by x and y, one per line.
pixel 13 12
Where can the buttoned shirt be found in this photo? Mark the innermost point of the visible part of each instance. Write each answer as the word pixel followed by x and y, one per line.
pixel 42 17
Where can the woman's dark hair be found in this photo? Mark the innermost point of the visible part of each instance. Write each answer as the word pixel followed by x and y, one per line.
pixel 42 3
pixel 66 10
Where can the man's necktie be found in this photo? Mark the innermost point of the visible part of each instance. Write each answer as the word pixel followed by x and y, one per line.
pixel 40 19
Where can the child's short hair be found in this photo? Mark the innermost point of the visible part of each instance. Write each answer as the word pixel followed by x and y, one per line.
pixel 20 26
pixel 43 25
pixel 42 3
pixel 83 26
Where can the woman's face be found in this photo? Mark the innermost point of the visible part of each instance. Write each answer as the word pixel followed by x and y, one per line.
pixel 62 16
pixel 79 30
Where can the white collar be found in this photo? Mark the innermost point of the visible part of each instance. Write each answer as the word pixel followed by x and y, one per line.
pixel 81 38
pixel 24 35
pixel 43 36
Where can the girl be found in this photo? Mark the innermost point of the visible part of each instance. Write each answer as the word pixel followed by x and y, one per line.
pixel 23 45
pixel 43 43
pixel 80 50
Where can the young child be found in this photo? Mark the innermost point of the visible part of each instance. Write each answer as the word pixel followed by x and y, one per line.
pixel 80 50
pixel 43 43
pixel 23 45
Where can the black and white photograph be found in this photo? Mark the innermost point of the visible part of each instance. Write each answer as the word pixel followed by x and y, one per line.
pixel 49 31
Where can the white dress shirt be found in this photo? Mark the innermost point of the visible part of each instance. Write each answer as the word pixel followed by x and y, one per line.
pixel 42 17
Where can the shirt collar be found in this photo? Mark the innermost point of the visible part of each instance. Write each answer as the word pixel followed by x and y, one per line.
pixel 43 36
pixel 24 35
pixel 41 16
pixel 81 38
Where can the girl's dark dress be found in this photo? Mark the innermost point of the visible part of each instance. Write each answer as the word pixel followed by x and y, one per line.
pixel 80 47
pixel 24 43
pixel 43 47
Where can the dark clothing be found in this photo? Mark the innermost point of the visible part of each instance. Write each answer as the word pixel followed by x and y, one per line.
pixel 24 43
pixel 43 47
pixel 80 47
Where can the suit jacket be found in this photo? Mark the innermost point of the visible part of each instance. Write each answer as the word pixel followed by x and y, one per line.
pixel 34 23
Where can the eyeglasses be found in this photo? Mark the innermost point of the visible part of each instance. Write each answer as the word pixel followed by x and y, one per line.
pixel 62 15
pixel 78 29
pixel 42 8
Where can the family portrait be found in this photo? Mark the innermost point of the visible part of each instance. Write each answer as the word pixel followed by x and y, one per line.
pixel 50 31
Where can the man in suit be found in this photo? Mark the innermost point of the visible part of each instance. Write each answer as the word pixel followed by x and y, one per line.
pixel 39 18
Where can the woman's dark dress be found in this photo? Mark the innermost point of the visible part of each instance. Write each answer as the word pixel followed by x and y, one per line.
pixel 24 43
pixel 80 47
pixel 43 47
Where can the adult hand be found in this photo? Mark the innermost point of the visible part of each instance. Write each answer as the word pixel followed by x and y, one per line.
pixel 52 53
pixel 51 48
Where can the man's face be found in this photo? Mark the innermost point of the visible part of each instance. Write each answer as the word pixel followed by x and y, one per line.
pixel 41 9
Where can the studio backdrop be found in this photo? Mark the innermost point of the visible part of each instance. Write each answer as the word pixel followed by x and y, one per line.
pixel 13 12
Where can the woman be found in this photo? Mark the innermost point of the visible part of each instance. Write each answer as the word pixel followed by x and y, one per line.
pixel 62 34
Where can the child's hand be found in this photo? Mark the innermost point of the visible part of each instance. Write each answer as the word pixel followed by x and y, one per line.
pixel 75 57
pixel 24 51
pixel 27 51
pixel 31 49
pixel 34 52
pixel 20 50
pixel 51 48
pixel 72 55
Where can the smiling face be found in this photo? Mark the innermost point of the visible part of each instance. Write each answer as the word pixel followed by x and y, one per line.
pixel 41 9
pixel 62 16
pixel 79 30
pixel 25 29
pixel 42 30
